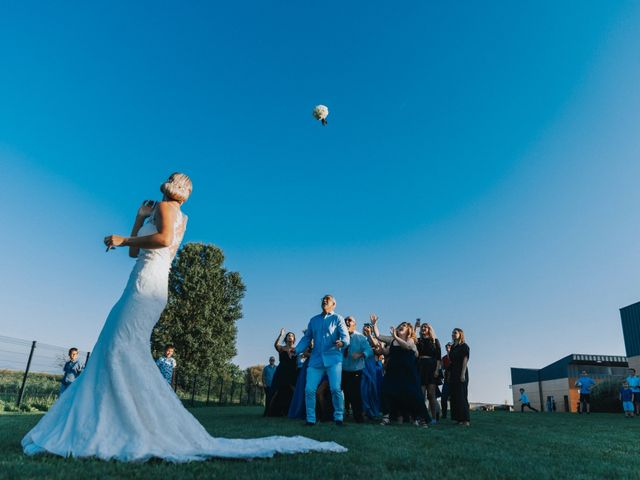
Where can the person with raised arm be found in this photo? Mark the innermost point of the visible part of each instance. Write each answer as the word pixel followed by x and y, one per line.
pixel 371 383
pixel 284 379
pixel 400 384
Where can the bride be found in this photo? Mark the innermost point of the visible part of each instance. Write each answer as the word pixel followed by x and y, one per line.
pixel 121 407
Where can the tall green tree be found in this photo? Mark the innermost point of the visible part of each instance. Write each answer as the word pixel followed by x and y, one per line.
pixel 203 308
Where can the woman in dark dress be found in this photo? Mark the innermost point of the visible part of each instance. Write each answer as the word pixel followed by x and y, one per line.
pixel 459 378
pixel 284 380
pixel 400 384
pixel 429 358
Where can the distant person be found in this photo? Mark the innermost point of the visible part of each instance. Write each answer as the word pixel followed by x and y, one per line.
pixel 72 370
pixel 329 334
pixel 267 378
pixel 284 379
pixel 167 364
pixel 585 383
pixel 459 378
pixel 626 397
pixel 524 401
pixel 634 384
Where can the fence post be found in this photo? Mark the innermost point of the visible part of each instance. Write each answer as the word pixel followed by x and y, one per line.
pixel 256 393
pixel 208 390
pixel 87 359
pixel 220 394
pixel 26 372
pixel 193 390
pixel 175 382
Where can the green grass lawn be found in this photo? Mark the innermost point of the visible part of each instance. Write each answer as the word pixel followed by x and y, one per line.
pixel 497 445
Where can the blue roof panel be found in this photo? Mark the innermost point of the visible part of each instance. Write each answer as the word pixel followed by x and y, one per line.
pixel 523 375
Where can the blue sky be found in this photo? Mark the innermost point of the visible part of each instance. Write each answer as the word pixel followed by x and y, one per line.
pixel 479 168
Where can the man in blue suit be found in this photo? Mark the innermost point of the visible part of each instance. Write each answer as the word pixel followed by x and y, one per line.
pixel 329 334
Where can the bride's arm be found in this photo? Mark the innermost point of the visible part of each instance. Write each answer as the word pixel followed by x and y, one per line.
pixel 145 210
pixel 165 220
pixel 133 251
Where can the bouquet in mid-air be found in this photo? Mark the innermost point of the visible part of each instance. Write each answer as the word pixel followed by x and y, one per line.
pixel 321 112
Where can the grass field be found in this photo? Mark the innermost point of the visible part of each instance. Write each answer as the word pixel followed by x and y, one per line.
pixel 497 445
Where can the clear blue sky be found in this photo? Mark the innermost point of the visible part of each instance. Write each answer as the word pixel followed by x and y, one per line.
pixel 480 167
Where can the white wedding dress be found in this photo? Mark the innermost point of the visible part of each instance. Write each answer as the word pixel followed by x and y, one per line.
pixel 122 408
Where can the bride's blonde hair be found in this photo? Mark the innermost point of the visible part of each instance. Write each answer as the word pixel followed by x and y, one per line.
pixel 177 187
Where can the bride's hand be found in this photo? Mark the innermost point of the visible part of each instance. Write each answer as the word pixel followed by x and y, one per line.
pixel 113 241
pixel 146 208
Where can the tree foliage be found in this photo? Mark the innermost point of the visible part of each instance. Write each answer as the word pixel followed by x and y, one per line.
pixel 202 310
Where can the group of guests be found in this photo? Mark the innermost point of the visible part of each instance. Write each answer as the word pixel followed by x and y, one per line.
pixel 386 378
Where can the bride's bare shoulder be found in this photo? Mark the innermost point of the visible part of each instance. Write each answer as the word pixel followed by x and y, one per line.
pixel 167 207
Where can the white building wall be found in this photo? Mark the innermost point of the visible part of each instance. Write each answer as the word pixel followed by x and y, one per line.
pixel 557 388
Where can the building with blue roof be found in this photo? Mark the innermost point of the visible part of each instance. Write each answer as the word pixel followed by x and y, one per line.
pixel 555 383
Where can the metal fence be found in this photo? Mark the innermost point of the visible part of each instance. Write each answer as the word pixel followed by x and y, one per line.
pixel 203 390
pixel 30 374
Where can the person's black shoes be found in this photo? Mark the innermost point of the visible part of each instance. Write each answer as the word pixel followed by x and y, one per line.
pixel 339 423
pixel 309 424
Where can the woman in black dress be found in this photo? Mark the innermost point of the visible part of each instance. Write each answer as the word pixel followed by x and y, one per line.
pixel 429 358
pixel 459 378
pixel 284 380
pixel 400 384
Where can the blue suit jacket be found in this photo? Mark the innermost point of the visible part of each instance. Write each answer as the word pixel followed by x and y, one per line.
pixel 325 330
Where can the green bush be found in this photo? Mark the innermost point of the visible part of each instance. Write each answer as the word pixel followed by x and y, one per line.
pixel 10 407
pixel 40 407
